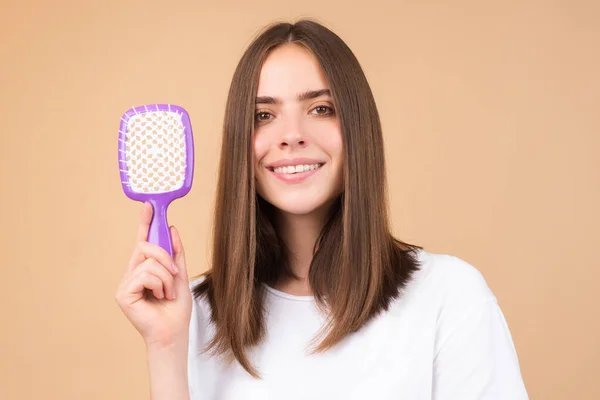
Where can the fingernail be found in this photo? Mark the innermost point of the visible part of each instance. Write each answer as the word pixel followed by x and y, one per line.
pixel 175 268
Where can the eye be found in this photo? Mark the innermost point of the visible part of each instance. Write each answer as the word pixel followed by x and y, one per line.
pixel 322 110
pixel 262 116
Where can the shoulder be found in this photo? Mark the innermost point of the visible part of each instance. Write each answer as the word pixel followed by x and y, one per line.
pixel 450 279
pixel 200 304
pixel 201 328
pixel 474 355
pixel 195 280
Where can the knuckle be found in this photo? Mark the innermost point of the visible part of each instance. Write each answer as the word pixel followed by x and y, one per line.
pixel 147 264
pixel 156 265
pixel 142 245
pixel 145 275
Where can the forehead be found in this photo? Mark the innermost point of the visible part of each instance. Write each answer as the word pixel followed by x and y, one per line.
pixel 288 70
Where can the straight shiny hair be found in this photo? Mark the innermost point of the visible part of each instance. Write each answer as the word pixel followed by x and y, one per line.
pixel 358 267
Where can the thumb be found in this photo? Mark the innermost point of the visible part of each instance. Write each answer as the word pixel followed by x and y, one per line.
pixel 179 255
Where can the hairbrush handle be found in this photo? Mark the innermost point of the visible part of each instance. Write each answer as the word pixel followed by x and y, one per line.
pixel 159 227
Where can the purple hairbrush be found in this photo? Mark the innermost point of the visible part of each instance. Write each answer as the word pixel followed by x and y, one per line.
pixel 156 160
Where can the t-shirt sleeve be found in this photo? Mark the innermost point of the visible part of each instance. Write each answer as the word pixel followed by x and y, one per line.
pixel 476 358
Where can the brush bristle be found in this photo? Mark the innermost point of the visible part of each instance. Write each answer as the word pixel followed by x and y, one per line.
pixel 155 152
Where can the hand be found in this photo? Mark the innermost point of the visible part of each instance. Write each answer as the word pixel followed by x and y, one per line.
pixel 154 294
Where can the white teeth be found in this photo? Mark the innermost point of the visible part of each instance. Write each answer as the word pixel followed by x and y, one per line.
pixel 295 169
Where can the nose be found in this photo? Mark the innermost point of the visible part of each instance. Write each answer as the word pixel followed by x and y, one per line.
pixel 293 136
pixel 293 142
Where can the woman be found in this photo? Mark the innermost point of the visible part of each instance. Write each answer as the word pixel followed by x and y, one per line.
pixel 309 296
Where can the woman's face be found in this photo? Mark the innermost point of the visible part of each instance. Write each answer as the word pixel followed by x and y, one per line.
pixel 298 150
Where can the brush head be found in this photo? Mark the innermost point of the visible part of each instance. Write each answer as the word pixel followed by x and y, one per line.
pixel 156 152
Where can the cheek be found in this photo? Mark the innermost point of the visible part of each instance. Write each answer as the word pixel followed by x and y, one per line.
pixel 260 151
pixel 330 140
pixel 333 144
pixel 337 146
pixel 260 148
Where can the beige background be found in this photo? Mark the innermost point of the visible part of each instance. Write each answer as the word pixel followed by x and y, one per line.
pixel 490 112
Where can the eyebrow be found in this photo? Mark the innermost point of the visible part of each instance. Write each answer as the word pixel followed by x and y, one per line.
pixel 309 94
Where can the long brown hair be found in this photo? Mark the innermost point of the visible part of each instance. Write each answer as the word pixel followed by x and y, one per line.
pixel 358 267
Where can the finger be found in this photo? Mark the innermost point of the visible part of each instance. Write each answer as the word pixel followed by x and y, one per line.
pixel 152 267
pixel 144 222
pixel 179 255
pixel 143 281
pixel 145 250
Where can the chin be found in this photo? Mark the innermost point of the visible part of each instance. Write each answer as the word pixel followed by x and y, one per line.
pixel 300 205
pixel 299 209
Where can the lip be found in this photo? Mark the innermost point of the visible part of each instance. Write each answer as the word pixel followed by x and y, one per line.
pixel 294 161
pixel 297 177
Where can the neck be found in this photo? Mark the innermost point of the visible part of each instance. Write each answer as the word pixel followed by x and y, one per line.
pixel 299 233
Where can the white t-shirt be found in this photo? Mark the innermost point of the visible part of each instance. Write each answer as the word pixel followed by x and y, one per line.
pixel 444 338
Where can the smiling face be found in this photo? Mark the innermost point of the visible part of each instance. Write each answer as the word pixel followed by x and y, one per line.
pixel 298 151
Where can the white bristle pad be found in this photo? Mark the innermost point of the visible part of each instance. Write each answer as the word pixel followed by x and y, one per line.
pixel 155 152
